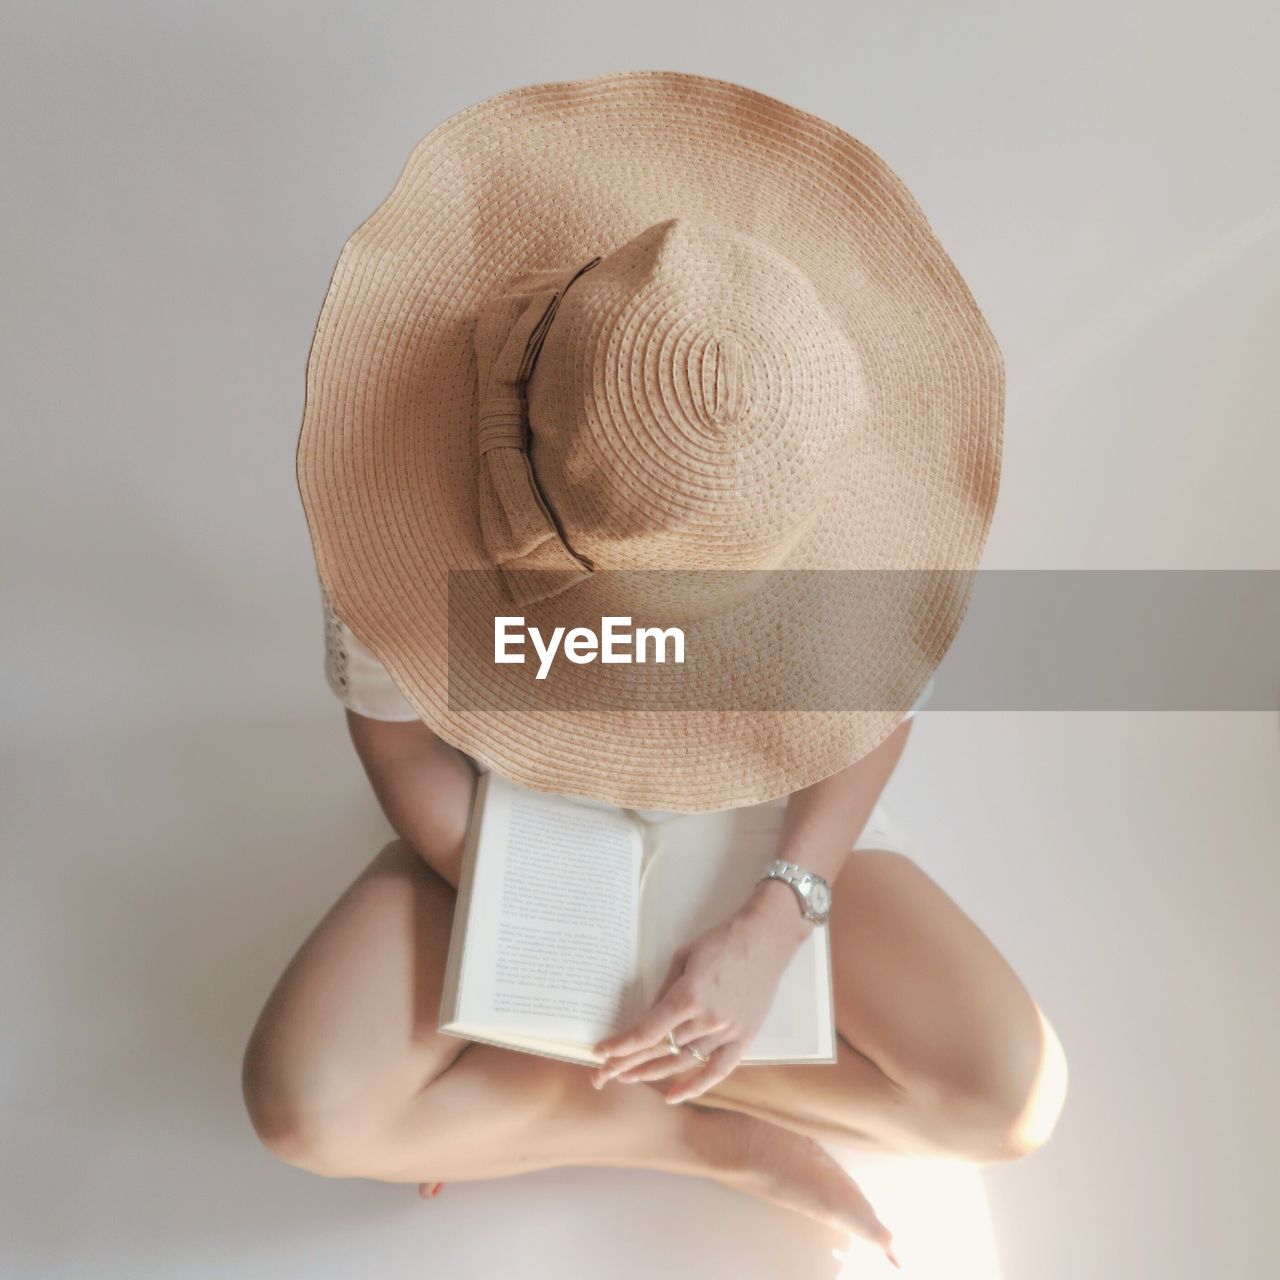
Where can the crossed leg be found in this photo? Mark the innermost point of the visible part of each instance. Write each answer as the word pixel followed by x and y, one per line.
pixel 941 1049
pixel 346 1074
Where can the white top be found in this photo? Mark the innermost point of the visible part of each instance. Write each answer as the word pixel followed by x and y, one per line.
pixel 364 686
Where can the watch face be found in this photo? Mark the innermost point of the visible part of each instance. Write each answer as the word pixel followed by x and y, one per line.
pixel 820 897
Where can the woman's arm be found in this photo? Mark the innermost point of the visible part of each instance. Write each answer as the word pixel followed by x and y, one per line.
pixel 721 985
pixel 423 785
pixel 821 823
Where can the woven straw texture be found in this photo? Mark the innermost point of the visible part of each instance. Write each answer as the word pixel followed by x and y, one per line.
pixel 614 342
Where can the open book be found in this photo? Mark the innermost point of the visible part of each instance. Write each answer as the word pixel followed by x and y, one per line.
pixel 568 915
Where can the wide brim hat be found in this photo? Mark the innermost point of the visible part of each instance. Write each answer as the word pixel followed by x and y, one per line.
pixel 523 220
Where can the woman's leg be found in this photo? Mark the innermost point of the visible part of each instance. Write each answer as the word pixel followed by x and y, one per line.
pixel 942 1051
pixel 345 1074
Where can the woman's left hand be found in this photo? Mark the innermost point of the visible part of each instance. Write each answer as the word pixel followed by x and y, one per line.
pixel 715 997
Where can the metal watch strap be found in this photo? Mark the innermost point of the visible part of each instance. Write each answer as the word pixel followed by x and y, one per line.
pixel 808 885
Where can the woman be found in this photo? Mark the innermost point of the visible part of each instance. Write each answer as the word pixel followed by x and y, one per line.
pixel 941 1052
pixel 785 377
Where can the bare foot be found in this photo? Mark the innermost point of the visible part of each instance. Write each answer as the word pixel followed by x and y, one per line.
pixel 792 1170
pixel 428 1189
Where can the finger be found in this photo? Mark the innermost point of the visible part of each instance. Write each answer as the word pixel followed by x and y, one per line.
pixel 658 1069
pixel 672 1064
pixel 721 1062
pixel 701 1026
pixel 699 1031
pixel 661 1068
pixel 673 1009
pixel 615 1066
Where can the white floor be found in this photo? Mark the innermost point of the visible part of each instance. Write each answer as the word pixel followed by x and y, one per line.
pixel 178 799
pixel 1126 865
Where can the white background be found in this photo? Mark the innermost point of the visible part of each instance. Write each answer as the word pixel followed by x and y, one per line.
pixel 181 802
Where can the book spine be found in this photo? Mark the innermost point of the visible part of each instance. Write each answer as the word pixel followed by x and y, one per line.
pixel 451 986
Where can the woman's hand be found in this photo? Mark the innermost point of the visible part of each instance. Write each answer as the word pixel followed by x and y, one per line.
pixel 715 997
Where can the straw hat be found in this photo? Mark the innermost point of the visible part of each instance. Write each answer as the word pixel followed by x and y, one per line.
pixel 655 345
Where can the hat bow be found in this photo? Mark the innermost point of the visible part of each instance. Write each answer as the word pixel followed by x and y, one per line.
pixel 520 532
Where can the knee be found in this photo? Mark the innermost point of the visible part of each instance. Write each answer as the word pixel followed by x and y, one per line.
pixel 299 1120
pixel 1010 1107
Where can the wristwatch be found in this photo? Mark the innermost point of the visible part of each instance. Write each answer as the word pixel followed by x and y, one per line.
pixel 812 890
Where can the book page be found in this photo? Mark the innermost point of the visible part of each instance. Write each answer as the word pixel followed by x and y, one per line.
pixel 551 939
pixel 698 869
